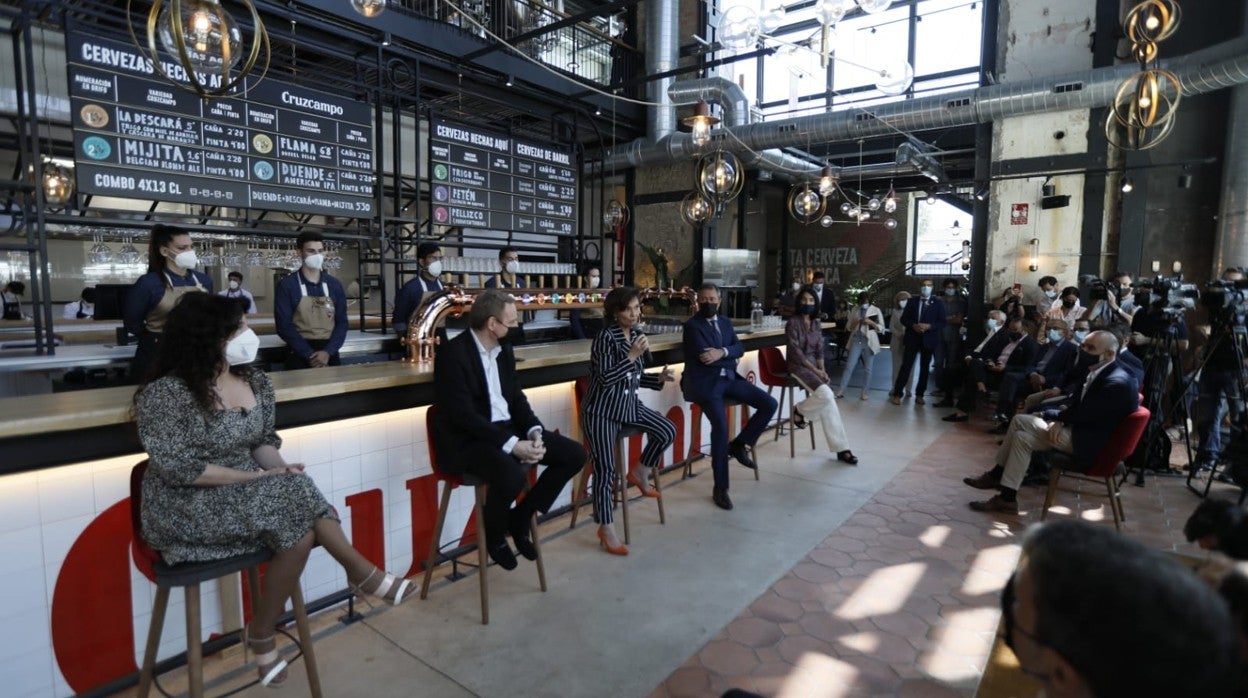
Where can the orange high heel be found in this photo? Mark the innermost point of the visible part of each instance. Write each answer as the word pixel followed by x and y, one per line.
pixel 636 482
pixel 614 550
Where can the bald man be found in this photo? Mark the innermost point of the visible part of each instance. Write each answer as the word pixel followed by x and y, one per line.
pixel 1108 395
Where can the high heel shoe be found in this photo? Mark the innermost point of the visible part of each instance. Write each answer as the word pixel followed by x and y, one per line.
pixel 636 482
pixel 799 420
pixel 613 549
pixel 387 581
pixel 271 659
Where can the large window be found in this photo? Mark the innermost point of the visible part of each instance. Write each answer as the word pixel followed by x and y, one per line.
pixel 939 231
pixel 940 39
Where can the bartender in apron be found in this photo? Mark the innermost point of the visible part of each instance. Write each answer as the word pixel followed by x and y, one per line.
pixel 171 263
pixel 11 296
pixel 428 280
pixel 310 309
pixel 508 276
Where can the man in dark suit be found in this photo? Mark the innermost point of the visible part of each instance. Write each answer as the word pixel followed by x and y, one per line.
pixel 826 300
pixel 1009 352
pixel 484 426
pixel 923 319
pixel 1108 395
pixel 1049 368
pixel 710 378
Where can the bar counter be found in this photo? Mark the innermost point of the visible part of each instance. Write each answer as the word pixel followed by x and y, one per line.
pixel 47 430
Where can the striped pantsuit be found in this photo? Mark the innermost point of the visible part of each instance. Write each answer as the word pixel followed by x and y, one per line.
pixel 601 431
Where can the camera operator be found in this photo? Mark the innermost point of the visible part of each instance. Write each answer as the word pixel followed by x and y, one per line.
pixel 1111 309
pixel 1222 371
pixel 1155 318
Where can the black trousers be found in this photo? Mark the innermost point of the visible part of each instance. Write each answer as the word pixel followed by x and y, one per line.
pixel 294 362
pixel 505 475
pixel 976 373
pixel 144 355
pixel 924 356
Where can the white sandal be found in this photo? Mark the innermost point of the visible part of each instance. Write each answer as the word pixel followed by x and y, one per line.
pixel 380 592
pixel 271 659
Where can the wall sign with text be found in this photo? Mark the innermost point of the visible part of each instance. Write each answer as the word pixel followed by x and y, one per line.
pixel 275 146
pixel 484 179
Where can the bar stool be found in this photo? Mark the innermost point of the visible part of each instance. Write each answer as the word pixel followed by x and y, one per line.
pixel 773 374
pixel 189 575
pixel 479 486
pixel 619 494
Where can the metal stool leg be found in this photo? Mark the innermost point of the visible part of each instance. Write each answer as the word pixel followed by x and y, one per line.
pixel 482 561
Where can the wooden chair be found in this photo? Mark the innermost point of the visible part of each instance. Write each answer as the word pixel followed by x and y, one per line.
pixel 773 373
pixel 1119 446
pixel 449 483
pixel 189 575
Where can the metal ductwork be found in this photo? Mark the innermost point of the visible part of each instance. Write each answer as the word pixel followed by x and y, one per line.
pixel 662 52
pixel 1230 246
pixel 1206 70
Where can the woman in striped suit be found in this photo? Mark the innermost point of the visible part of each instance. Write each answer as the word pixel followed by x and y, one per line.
pixel 611 402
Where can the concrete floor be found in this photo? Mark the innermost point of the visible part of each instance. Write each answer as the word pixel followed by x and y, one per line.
pixel 826 580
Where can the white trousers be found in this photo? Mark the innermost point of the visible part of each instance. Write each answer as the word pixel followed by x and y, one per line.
pixel 820 407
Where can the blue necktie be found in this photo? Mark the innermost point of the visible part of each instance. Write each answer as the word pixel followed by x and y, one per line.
pixel 719 335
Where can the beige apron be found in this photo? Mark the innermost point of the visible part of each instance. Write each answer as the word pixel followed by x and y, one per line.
pixel 314 316
pixel 157 315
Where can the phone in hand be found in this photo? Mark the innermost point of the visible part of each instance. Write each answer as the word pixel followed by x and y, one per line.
pixel 1018 288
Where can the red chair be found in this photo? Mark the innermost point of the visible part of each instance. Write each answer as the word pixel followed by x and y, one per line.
pixel 1119 446
pixel 620 486
pixel 773 372
pixel 450 482
pixel 189 575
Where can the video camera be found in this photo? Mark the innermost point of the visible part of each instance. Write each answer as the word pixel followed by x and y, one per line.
pixel 1099 289
pixel 1226 300
pixel 1174 296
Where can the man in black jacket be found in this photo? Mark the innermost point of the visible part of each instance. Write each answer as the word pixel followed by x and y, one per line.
pixel 1009 352
pixel 1108 395
pixel 484 426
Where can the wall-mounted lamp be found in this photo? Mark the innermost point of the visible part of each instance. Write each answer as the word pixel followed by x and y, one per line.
pixel 1156 265
pixel 931 198
pixel 966 255
pixel 1048 188
pixel 510 81
pixel 385 39
pixel 1185 180
pixel 1035 255
pixel 1127 185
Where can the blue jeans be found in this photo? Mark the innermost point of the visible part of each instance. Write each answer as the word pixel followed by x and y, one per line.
pixel 857 347
pixel 1214 386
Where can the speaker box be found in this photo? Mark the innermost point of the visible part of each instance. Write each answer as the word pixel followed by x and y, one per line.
pixel 1058 201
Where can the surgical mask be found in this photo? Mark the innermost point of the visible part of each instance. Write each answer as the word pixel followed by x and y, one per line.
pixel 865 306
pixel 951 291
pixel 925 291
pixel 992 325
pixel 594 281
pixel 233 285
pixel 314 261
pixel 243 348
pixel 1055 335
pixel 434 268
pixel 513 267
pixel 796 287
pixel 1080 335
pixel 186 260
pixel 1050 294
pixel 901 305
pixel 806 309
pixel 708 310
pixel 818 288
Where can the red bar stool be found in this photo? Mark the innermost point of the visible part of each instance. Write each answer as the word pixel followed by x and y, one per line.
pixel 449 483
pixel 773 373
pixel 189 575
pixel 619 489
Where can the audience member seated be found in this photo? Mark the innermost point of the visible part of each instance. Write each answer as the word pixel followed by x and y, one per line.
pixel 956 370
pixel 1058 396
pixel 484 426
pixel 216 486
pixel 1108 395
pixel 804 351
pixel 1092 613
pixel 1069 310
pixel 1011 352
pixel 711 349
pixel 1055 358
pixel 1219 525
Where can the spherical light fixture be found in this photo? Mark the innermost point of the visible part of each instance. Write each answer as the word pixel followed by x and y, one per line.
pixel 58 184
pixel 209 34
pixel 719 177
pixel 695 209
pixel 204 41
pixel 826 221
pixel 895 79
pixel 614 214
pixel 873 203
pixel 738 28
pixel 805 204
pixel 845 206
pixel 874 6
pixel 830 12
pixel 891 223
pixel 369 8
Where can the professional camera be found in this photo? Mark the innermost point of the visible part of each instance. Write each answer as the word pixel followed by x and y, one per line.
pixel 1098 288
pixel 1227 301
pixel 1168 293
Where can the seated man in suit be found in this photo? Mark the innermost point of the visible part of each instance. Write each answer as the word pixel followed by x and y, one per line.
pixel 484 426
pixel 1011 351
pixel 955 371
pixel 711 351
pixel 1107 397
pixel 1055 358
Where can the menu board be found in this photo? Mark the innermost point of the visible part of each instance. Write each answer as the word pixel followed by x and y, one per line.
pixel 274 146
pixel 483 179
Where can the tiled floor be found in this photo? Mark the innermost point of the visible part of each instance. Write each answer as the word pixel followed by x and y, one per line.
pixel 902 599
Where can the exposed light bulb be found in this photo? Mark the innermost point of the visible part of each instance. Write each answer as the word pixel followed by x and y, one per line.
pixel 826 221
pixel 890 203
pixel 369 8
pixel 931 199
pixel 891 224
pixel 211 38
pixel 873 204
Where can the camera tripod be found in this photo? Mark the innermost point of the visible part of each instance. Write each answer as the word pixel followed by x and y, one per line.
pixel 1161 363
pixel 1238 336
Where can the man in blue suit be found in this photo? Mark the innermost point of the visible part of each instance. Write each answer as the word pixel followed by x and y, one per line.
pixel 711 351
pixel 923 318
pixel 1107 397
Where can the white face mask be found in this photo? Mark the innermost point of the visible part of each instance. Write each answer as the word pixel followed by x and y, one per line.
pixel 243 348
pixel 925 291
pixel 1051 294
pixel 796 287
pixel 901 304
pixel 1055 335
pixel 513 267
pixel 434 268
pixel 314 261
pixel 818 288
pixel 992 325
pixel 186 260
pixel 233 285
pixel 594 281
pixel 1080 335
pixel 865 306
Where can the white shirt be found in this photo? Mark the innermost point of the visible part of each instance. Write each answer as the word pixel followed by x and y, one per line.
pixel 1092 376
pixel 70 311
pixel 1044 304
pixel 241 293
pixel 1009 349
pixel 499 411
pixel 1060 313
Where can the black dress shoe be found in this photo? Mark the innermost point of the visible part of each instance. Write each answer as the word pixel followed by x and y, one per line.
pixel 520 536
pixel 1000 428
pixel 502 555
pixel 742 454
pixel 955 417
pixel 983 482
pixel 721 499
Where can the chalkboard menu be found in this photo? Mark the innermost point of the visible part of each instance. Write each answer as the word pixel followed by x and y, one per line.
pixel 275 146
pixel 483 179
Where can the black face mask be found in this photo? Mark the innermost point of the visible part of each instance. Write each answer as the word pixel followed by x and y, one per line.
pixel 708 310
pixel 1068 304
pixel 807 309
pixel 1087 360
pixel 1015 336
